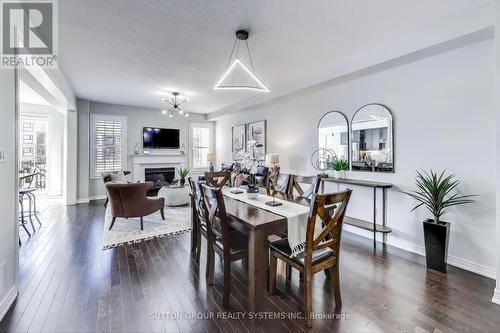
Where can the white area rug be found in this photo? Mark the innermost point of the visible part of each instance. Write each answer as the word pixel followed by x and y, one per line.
pixel 177 220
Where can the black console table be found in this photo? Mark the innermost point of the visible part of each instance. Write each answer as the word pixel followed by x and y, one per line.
pixel 362 224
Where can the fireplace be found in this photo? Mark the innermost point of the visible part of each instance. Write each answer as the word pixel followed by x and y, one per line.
pixel 159 177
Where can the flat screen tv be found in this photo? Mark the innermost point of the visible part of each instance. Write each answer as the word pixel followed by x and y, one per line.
pixel 160 138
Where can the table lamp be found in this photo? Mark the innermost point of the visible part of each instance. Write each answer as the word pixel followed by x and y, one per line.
pixel 211 161
pixel 272 161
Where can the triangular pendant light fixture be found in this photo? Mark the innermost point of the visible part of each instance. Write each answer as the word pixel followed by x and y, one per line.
pixel 237 75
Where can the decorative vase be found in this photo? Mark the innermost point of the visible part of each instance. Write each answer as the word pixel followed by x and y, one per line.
pixel 337 174
pixel 436 237
pixel 182 182
pixel 136 148
pixel 252 192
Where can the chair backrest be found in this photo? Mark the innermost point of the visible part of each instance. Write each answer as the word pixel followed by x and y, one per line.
pixel 215 214
pixel 297 188
pixel 127 200
pixel 217 179
pixel 332 224
pixel 26 181
pixel 199 205
pixel 281 186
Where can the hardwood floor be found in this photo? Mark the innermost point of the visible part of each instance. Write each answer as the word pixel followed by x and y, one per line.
pixel 68 284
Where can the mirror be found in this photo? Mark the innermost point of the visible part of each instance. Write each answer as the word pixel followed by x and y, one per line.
pixel 372 139
pixel 333 135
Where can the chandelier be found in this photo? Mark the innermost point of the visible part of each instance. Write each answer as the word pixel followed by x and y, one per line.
pixel 237 74
pixel 175 101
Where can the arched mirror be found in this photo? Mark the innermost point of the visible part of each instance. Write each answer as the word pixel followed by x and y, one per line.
pixel 333 134
pixel 372 139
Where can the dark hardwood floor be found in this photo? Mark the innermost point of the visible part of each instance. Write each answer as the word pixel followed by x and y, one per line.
pixel 69 284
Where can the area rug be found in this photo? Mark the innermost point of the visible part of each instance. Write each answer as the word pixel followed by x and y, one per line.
pixel 128 231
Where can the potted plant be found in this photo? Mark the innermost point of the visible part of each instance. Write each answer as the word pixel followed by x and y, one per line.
pixel 437 192
pixel 183 173
pixel 339 167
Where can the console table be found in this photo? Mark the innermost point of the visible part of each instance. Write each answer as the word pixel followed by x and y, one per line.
pixel 362 224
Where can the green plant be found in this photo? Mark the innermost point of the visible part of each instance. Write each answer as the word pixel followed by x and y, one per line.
pixel 339 165
pixel 435 193
pixel 183 172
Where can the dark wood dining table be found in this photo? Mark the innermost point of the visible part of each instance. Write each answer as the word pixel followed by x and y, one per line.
pixel 258 224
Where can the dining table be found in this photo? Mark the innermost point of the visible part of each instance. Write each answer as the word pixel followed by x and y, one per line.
pixel 258 224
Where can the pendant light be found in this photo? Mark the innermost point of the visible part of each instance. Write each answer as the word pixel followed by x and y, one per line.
pixel 230 80
pixel 175 101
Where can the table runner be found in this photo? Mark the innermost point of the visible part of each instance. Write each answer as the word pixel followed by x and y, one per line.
pixel 295 214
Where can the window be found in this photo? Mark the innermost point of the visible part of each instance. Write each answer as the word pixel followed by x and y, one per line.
pixel 108 144
pixel 33 137
pixel 201 144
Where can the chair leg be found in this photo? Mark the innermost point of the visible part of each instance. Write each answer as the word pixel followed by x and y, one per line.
pixel 162 212
pixel 227 282
pixel 335 281
pixel 308 298
pixel 327 274
pixel 112 222
pixel 35 213
pixel 245 264
pixel 198 248
pixel 106 203
pixel 23 222
pixel 210 266
pixel 288 272
pixel 273 261
pixel 142 223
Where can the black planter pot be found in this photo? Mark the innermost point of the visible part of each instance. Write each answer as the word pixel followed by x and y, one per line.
pixel 436 244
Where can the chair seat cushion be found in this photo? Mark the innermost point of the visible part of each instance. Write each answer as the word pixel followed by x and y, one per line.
pixel 238 242
pixel 282 247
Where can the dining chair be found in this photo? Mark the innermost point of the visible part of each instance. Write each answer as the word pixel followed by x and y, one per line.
pixel 230 245
pixel 217 179
pixel 27 187
pixel 321 251
pixel 199 217
pixel 303 187
pixel 281 186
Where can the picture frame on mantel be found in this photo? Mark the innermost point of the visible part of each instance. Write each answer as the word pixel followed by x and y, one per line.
pixel 239 142
pixel 257 131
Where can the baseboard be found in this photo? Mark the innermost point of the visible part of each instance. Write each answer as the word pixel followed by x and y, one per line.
pixel 7 301
pixel 87 200
pixel 467 265
pixel 496 296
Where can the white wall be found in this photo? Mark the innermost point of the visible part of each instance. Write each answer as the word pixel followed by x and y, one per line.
pixel 137 118
pixel 444 118
pixel 55 144
pixel 8 196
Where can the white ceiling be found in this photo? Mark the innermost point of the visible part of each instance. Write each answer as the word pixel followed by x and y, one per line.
pixel 136 52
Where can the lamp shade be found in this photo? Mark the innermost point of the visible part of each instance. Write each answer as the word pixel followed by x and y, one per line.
pixel 211 157
pixel 272 159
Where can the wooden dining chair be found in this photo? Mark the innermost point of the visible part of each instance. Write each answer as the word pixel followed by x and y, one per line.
pixel 280 187
pixel 199 218
pixel 303 186
pixel 321 251
pixel 217 179
pixel 230 245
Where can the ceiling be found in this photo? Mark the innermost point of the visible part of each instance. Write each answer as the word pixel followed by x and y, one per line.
pixel 136 52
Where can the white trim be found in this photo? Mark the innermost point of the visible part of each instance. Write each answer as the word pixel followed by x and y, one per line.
pixel 87 200
pixel 93 118
pixel 7 301
pixel 496 296
pixel 399 243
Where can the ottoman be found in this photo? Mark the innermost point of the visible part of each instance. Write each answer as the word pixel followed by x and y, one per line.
pixel 175 195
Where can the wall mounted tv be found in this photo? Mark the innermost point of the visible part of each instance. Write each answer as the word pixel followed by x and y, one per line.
pixel 160 138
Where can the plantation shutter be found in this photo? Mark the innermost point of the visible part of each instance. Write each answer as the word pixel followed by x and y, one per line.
pixel 109 144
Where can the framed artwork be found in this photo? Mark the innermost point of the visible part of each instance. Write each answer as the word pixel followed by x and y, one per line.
pixel 257 131
pixel 239 142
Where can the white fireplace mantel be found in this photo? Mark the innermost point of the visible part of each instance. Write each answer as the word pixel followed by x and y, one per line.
pixel 142 162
